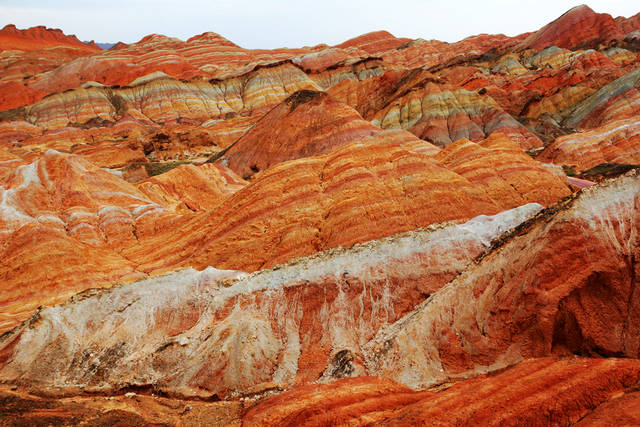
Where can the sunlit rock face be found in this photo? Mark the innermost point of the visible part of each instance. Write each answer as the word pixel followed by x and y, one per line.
pixel 389 186
pixel 306 124
pixel 360 192
pixel 383 231
pixel 161 98
pixel 184 187
pixel 511 177
pixel 61 218
pixel 351 312
pixel 375 43
pixel 26 53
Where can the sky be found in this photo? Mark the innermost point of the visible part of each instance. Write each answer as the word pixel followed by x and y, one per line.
pixel 284 23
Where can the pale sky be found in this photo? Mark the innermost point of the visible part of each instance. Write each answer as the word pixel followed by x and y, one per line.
pixel 285 23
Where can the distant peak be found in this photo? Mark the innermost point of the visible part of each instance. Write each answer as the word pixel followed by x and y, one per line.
pixel 577 25
pixel 157 38
pixel 119 45
pixel 374 42
pixel 38 37
pixel 581 10
pixel 211 37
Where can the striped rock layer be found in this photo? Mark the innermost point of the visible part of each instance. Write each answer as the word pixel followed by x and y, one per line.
pixel 241 336
pixel 543 391
pixel 615 142
pixel 308 123
pixel 567 286
pixel 36 38
pixel 533 94
pixel 289 325
pixel 360 192
pixel 203 221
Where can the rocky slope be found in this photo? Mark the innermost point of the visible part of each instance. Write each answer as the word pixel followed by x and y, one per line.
pixel 537 392
pixel 378 232
pixel 289 325
pixel 578 26
pixel 35 38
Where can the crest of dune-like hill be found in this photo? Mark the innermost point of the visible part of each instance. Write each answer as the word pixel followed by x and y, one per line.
pixel 578 26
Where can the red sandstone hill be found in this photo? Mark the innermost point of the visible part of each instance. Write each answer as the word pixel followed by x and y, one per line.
pixel 34 38
pixel 580 25
pixel 375 43
pixel 386 231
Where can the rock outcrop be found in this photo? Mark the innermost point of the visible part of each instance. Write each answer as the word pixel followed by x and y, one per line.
pixel 306 124
pixel 385 231
pixel 195 188
pixel 615 142
pixel 35 38
pixel 375 43
pixel 578 26
pixel 238 332
pixel 536 392
pixel 443 114
pixel 511 177
pixel 566 286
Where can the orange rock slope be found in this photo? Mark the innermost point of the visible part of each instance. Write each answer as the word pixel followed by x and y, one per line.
pixel 578 26
pixel 334 315
pixel 35 38
pixel 378 232
pixel 537 392
pixel 24 54
pixel 361 192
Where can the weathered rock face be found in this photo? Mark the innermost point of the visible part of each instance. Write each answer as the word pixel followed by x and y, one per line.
pixel 443 114
pixel 307 123
pixel 616 100
pixel 375 43
pixel 207 221
pixel 360 192
pixel 128 409
pixel 221 332
pixel 357 193
pixel 615 142
pixel 628 25
pixel 186 185
pixel 511 177
pixel 61 218
pixel 567 286
pixel 536 392
pixel 24 54
pixel 434 53
pixel 208 55
pixel 579 26
pixel 160 98
pixel 324 338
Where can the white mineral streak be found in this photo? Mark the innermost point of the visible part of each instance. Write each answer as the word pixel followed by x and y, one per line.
pixel 468 307
pixel 30 191
pixel 184 329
